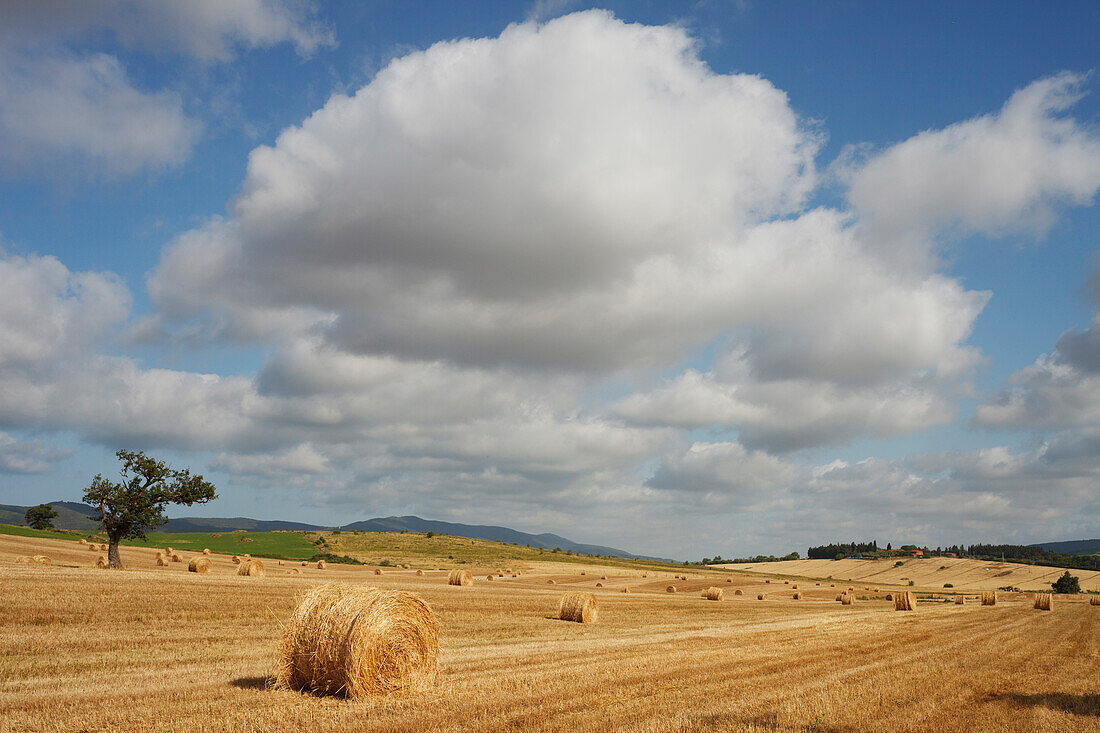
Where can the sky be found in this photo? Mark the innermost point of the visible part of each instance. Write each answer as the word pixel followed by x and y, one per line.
pixel 684 278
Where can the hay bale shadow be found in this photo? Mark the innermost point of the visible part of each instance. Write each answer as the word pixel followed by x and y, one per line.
pixel 1085 704
pixel 263 682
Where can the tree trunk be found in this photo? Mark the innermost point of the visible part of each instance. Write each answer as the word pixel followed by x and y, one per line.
pixel 113 558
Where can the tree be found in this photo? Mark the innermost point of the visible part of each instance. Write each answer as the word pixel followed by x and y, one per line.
pixel 1066 584
pixel 136 504
pixel 38 517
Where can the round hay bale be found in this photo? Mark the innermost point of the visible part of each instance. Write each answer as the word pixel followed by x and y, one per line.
pixel 280 562
pixel 490 577
pixel 206 550
pixel 103 548
pixel 786 582
pixel 817 583
pixel 419 572
pixel 729 580
pixel 159 554
pixel 603 577
pixel 839 596
pixel 714 593
pixel 794 587
pixel 237 560
pixel 889 596
pixel 846 599
pixel 904 601
pixel 177 557
pixel 739 592
pixel 645 575
pixel 168 551
pixel 989 598
pixel 580 607
pixel 1094 601
pixel 1044 601
pixel 253 568
pixel 960 601
pixel 83 541
pixel 797 596
pixel 92 548
pixel 42 560
pixel 461 577
pixel 851 589
pixel 583 572
pixel 101 562
pixel 162 561
pixel 321 565
pixel 598 585
pixel 767 581
pixel 295 571
pixel 357 641
pixel 627 590
pixel 305 564
pixel 550 582
pixel 378 571
pixel 670 589
pixel 762 597
pixel 199 565
pixel 832 585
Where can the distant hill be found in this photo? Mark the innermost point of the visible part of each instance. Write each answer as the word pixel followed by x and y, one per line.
pixel 1072 547
pixel 74 515
pixel 487 532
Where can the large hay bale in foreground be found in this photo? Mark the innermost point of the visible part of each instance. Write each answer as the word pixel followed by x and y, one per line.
pixel 714 593
pixel 357 641
pixel 580 607
pixel 460 577
pixel 162 561
pixel 1044 601
pixel 251 568
pixel 904 601
pixel 960 601
pixel 846 599
pixel 989 598
pixel 199 565
pixel 101 562
pixel 670 589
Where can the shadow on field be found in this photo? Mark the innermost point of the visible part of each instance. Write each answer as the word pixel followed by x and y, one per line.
pixel 263 682
pixel 1088 704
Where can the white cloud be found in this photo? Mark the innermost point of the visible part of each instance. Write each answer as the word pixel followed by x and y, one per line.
pixel 209 30
pixel 992 174
pixel 27 456
pixel 83 111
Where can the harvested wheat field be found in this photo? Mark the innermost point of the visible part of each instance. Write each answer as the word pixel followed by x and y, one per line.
pixel 82 649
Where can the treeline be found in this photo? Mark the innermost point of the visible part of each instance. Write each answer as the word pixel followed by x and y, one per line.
pixel 1031 556
pixel 842 549
pixel 719 560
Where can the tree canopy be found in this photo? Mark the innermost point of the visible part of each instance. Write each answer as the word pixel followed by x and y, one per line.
pixel 38 517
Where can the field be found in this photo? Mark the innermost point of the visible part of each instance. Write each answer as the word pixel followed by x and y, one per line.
pixel 160 649
pixel 933 572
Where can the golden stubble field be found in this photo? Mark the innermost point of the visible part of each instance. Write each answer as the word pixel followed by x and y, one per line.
pixel 150 649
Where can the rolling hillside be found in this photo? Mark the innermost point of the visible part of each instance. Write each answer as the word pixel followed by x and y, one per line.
pixel 963 574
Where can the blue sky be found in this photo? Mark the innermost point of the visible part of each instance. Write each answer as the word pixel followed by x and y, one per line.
pixel 685 278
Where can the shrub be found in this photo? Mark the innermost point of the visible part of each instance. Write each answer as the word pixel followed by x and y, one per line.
pixel 911 583
pixel 899 563
pixel 948 585
pixel 1066 584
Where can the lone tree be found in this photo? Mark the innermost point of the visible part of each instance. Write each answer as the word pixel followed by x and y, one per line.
pixel 38 517
pixel 129 508
pixel 1066 584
